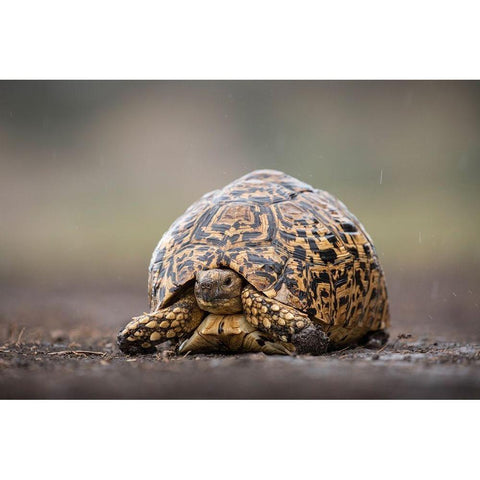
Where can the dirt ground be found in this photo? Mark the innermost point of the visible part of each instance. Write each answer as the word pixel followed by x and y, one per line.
pixel 59 343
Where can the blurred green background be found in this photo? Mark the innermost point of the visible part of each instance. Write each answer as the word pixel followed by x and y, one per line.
pixel 93 172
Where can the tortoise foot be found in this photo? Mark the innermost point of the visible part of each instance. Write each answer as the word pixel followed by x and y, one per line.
pixel 311 340
pixel 375 340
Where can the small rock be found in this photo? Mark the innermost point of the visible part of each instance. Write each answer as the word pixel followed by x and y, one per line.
pixel 376 356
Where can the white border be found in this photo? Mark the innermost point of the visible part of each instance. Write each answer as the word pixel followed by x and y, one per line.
pixel 239 439
pixel 215 39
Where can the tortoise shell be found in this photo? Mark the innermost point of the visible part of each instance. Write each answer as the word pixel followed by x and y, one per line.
pixel 290 241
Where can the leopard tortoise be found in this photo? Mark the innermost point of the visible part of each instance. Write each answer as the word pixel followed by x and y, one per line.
pixel 268 263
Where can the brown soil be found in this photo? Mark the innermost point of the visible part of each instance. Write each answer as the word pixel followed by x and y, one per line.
pixel 60 344
pixel 402 370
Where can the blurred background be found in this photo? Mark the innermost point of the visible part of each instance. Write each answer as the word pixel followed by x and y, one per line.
pixel 93 172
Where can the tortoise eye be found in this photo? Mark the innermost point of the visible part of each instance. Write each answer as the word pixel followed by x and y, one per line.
pixel 228 282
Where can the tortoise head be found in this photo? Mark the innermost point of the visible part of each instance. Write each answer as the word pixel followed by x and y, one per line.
pixel 219 291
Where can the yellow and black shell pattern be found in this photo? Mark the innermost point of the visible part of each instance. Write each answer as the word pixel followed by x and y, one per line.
pixel 290 241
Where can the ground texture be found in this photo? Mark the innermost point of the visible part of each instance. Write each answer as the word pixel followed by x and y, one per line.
pixel 60 344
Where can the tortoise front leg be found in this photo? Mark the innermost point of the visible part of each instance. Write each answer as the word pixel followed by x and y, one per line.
pixel 283 323
pixel 169 323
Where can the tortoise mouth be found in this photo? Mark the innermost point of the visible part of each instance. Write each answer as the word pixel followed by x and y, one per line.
pixel 220 305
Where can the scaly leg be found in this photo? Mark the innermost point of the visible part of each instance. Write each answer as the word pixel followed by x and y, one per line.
pixel 283 323
pixel 169 323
